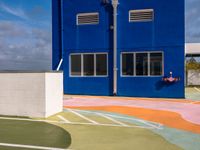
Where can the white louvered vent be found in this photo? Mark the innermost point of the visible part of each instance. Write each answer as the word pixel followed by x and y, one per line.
pixel 87 18
pixel 143 15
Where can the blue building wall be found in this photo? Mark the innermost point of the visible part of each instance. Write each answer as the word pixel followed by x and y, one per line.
pixel 57 42
pixel 165 33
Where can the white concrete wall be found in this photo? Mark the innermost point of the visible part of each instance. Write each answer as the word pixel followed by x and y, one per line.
pixel 193 77
pixel 192 48
pixel 54 93
pixel 28 94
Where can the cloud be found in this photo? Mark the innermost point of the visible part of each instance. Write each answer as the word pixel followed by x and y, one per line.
pixel 8 29
pixel 17 11
pixel 35 13
pixel 23 47
pixel 25 39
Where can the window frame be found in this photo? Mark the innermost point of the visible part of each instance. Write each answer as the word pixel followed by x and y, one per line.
pixel 148 64
pixel 85 14
pixel 82 65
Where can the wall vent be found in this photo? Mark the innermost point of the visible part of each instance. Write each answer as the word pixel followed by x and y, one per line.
pixel 87 18
pixel 143 15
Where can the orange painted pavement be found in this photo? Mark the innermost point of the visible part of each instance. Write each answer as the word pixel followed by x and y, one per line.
pixel 170 119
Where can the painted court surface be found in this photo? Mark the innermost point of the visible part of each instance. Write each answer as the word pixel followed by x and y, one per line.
pixel 109 123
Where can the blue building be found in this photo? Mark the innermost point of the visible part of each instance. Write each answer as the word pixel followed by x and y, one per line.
pixel 124 48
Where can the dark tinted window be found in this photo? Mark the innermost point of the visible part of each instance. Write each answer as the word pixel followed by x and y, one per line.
pixel 88 64
pixel 75 65
pixel 141 64
pixel 156 64
pixel 128 64
pixel 101 64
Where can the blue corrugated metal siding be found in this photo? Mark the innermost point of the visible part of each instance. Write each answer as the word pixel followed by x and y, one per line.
pixel 165 33
pixel 56 28
pixel 87 39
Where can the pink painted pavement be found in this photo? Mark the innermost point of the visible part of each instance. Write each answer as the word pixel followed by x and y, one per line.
pixel 189 111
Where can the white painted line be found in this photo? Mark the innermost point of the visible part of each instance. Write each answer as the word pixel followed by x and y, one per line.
pixel 107 125
pixel 63 119
pixel 31 120
pixel 74 123
pixel 22 119
pixel 149 123
pixel 74 112
pixel 30 146
pixel 113 120
pixel 197 89
pixel 157 126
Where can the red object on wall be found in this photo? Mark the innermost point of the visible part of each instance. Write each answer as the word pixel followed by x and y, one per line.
pixel 171 79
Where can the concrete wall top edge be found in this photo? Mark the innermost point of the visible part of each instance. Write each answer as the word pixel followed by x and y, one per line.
pixel 30 71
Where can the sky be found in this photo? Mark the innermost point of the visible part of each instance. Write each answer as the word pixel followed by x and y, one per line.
pixel 25 33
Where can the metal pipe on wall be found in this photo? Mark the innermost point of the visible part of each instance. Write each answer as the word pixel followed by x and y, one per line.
pixel 115 5
pixel 59 65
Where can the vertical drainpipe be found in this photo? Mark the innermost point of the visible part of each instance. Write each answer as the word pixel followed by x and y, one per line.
pixel 115 4
pixel 61 35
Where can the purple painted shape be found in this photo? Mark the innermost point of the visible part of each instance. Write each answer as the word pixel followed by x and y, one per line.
pixel 189 112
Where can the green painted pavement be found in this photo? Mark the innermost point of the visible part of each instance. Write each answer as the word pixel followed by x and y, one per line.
pixel 115 138
pixel 33 133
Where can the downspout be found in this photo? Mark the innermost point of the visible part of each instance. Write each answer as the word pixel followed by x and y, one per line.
pixel 115 4
pixel 61 36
